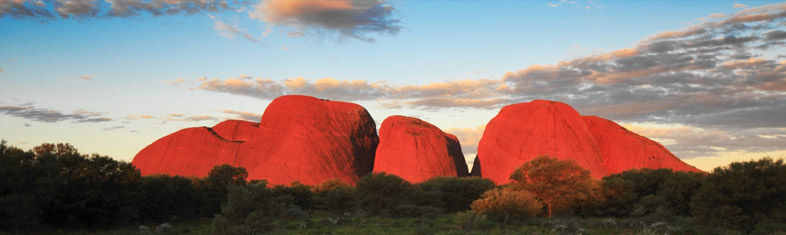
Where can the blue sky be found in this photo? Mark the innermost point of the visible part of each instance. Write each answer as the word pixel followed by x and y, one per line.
pixel 113 84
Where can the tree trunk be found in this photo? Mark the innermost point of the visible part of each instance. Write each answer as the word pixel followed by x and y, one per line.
pixel 548 206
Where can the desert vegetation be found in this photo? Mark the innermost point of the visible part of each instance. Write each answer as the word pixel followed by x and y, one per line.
pixel 53 188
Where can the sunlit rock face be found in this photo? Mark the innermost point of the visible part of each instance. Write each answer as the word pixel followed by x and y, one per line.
pixel 309 140
pixel 623 149
pixel 524 131
pixel 416 150
pixel 299 138
pixel 521 132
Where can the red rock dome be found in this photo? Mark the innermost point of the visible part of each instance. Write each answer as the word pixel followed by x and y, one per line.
pixel 524 131
pixel 300 138
pixel 625 150
pixel 416 150
pixel 188 152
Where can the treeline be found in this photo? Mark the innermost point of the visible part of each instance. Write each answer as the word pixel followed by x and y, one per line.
pixel 53 186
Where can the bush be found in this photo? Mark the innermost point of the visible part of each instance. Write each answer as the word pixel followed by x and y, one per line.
pixel 453 194
pixel 742 195
pixel 249 209
pixel 470 220
pixel 301 194
pixel 504 204
pixel 333 195
pixel 379 191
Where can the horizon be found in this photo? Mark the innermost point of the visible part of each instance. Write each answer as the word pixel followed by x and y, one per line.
pixel 708 82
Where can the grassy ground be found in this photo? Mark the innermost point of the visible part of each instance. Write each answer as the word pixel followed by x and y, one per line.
pixel 443 224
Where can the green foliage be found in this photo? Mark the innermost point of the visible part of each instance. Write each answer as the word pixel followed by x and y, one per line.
pixel 249 209
pixel 334 195
pixel 641 192
pixel 504 204
pixel 378 192
pixel 213 189
pixel 557 183
pixel 453 194
pixel 301 194
pixel 163 197
pixel 742 195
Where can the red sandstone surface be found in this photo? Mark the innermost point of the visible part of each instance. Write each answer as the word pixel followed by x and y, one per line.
pixel 300 138
pixel 310 140
pixel 625 150
pixel 416 150
pixel 524 131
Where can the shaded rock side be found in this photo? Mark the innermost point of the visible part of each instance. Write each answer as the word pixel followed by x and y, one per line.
pixel 310 140
pixel 416 150
pixel 238 130
pixel 624 150
pixel 188 152
pixel 521 132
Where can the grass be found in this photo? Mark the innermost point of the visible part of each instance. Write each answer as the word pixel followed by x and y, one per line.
pixel 320 223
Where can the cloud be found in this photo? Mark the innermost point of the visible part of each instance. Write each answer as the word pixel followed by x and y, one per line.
pixel 27 111
pixel 242 115
pixel 175 82
pixel 349 18
pixel 178 117
pixel 45 10
pixel 468 137
pixel 112 128
pixel 464 93
pixel 138 117
pixel 86 77
pixel 2 70
pixel 737 5
pixel 232 31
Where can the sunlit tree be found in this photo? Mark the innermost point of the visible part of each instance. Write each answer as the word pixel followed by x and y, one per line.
pixel 554 182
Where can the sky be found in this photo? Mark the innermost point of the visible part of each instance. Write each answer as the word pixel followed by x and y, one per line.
pixel 707 79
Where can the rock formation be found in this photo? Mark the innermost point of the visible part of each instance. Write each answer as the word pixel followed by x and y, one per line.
pixel 310 140
pixel 623 149
pixel 416 150
pixel 188 152
pixel 523 131
pixel 300 138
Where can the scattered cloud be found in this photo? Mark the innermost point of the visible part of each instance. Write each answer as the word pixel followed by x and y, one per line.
pixel 86 77
pixel 468 137
pixel 28 125
pixel 112 128
pixel 737 5
pixel 232 31
pixel 178 117
pixel 350 18
pixel 2 70
pixel 79 9
pixel 242 115
pixel 175 82
pixel 27 111
pixel 138 117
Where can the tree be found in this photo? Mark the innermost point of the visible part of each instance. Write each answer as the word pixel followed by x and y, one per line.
pixel 507 203
pixel 742 195
pixel 377 192
pixel 554 182
pixel 454 194
pixel 58 149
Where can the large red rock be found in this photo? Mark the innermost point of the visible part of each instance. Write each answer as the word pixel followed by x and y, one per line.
pixel 310 140
pixel 416 150
pixel 236 129
pixel 524 131
pixel 188 152
pixel 300 138
pixel 625 150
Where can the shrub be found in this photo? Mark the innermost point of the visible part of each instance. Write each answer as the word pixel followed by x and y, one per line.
pixel 301 194
pixel 249 209
pixel 453 194
pixel 379 191
pixel 333 195
pixel 742 195
pixel 557 183
pixel 470 220
pixel 504 204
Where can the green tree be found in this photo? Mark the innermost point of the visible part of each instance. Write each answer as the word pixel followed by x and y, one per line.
pixel 453 194
pixel 334 195
pixel 742 195
pixel 556 183
pixel 213 189
pixel 379 191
